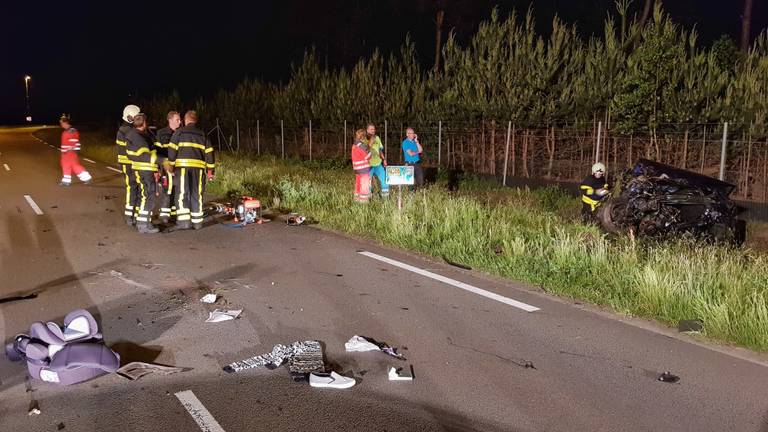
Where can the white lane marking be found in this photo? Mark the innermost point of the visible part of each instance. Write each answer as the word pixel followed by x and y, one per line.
pixel 493 296
pixel 33 204
pixel 114 169
pixel 195 408
pixel 88 160
pixel 7 168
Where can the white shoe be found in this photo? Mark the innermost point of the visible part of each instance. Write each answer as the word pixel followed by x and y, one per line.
pixel 333 380
pixel 400 374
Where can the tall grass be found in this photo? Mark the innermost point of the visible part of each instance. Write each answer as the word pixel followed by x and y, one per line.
pixel 532 236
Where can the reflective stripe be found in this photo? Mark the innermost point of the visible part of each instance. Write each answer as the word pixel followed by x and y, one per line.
pixel 210 166
pixel 143 166
pixel 199 197
pixel 120 143
pixel 123 159
pixel 589 190
pixel 140 152
pixel 189 163
pixel 143 195
pixel 209 150
pixel 593 204
pixel 190 144
pixel 128 206
pixel 182 210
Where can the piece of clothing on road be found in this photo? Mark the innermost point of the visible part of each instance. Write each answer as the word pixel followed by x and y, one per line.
pixel 309 353
pixel 70 163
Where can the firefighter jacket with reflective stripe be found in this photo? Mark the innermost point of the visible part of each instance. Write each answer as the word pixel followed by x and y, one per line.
pixel 70 140
pixel 139 147
pixel 122 132
pixel 589 188
pixel 162 140
pixel 190 148
pixel 361 158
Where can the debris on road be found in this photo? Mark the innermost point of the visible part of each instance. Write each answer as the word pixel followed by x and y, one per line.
pixel 136 370
pixel 332 380
pixel 64 355
pixel 309 352
pixel 209 298
pixel 363 344
pixel 400 374
pixel 245 210
pixel 690 326
pixel 17 298
pixel 223 315
pixel 295 219
pixel 34 408
pixel 668 377
pixel 658 200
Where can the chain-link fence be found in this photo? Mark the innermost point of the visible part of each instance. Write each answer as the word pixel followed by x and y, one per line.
pixel 506 151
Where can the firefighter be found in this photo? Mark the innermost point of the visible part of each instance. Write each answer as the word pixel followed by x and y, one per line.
pixel 131 186
pixel 70 145
pixel 192 157
pixel 143 157
pixel 162 140
pixel 594 189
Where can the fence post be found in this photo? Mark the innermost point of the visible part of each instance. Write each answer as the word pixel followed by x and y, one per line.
pixel 282 139
pixel 237 128
pixel 506 152
pixel 439 143
pixel 385 139
pixel 258 139
pixel 597 148
pixel 310 140
pixel 723 151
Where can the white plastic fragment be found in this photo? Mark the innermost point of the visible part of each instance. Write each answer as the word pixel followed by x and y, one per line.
pixel 223 315
pixel 209 298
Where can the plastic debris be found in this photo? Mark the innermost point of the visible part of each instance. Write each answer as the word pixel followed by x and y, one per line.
pixel 136 370
pixel 400 374
pixel 303 357
pixel 668 377
pixel 360 344
pixel 690 326
pixel 209 298
pixel 223 315
pixel 363 344
pixel 295 219
pixel 34 408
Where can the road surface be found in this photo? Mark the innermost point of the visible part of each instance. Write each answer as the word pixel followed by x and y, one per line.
pixel 481 362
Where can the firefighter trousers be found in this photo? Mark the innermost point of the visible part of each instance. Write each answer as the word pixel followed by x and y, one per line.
pixel 189 202
pixel 132 192
pixel 147 196
pixel 168 196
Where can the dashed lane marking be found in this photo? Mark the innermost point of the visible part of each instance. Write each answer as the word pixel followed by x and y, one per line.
pixel 195 408
pixel 33 204
pixel 467 287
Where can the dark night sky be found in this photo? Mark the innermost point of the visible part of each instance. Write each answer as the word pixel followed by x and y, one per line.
pixel 87 58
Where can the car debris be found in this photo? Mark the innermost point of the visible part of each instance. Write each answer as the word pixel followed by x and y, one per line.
pixel 209 298
pixel 660 201
pixel 362 344
pixel 136 370
pixel 668 377
pixel 220 315
pixel 400 374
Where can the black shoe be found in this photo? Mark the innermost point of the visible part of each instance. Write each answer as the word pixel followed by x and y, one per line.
pixel 145 228
pixel 129 221
pixel 197 226
pixel 65 184
pixel 183 225
pixel 165 220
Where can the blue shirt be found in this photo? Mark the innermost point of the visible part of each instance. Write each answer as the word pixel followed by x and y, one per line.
pixel 410 145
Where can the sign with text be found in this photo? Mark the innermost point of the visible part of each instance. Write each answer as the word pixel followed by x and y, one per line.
pixel 399 175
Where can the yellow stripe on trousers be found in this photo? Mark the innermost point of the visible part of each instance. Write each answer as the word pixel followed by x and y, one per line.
pixel 200 193
pixel 128 202
pixel 143 206
pixel 182 173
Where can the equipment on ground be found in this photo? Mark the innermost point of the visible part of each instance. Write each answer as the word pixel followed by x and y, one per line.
pixel 245 210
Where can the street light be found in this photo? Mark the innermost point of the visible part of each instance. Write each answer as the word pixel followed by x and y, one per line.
pixel 26 95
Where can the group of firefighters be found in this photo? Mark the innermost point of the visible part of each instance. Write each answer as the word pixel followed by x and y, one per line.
pixel 168 168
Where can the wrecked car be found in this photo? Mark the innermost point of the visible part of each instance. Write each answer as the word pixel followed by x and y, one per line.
pixel 661 201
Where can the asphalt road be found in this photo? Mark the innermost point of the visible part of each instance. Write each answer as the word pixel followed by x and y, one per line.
pixel 592 371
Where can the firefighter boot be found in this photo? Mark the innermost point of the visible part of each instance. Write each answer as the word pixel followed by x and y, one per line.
pixel 197 226
pixel 145 228
pixel 182 225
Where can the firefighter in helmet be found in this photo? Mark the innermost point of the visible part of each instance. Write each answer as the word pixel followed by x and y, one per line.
pixel 594 189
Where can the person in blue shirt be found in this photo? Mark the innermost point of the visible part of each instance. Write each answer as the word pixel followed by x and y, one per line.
pixel 412 151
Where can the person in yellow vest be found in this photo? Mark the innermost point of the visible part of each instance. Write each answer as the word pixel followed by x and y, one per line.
pixel 594 189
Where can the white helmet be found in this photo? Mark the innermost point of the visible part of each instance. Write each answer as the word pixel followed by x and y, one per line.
pixel 129 112
pixel 598 167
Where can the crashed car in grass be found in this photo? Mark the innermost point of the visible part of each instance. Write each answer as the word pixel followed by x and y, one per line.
pixel 661 201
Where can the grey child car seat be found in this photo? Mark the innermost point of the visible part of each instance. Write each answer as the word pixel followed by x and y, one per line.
pixel 64 355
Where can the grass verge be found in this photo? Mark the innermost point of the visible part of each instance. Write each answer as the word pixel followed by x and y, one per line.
pixel 531 236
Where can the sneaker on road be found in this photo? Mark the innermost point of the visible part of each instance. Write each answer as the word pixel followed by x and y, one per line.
pixel 332 380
